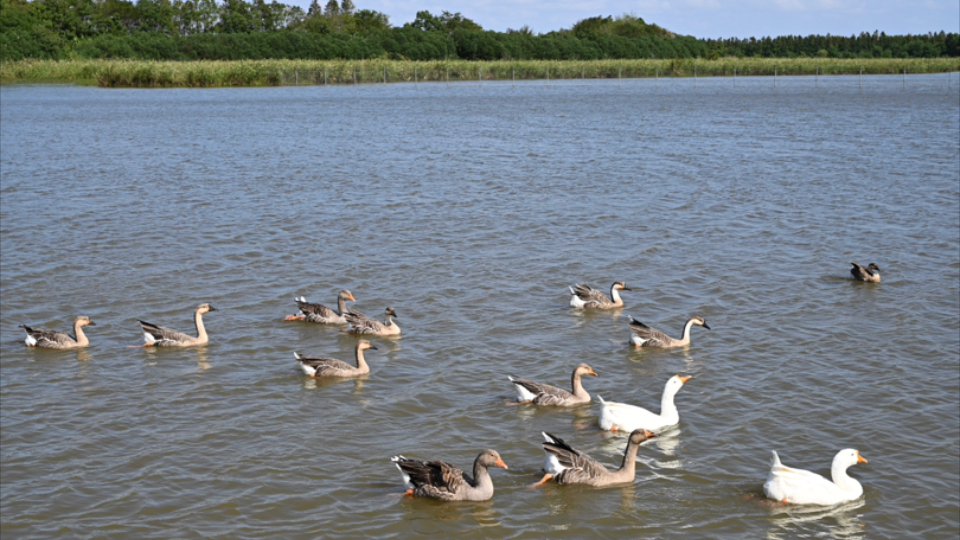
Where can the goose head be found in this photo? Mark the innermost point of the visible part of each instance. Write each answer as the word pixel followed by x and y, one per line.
pixel 391 313
pixel 640 435
pixel 621 286
pixel 675 384
pixel 84 321
pixel 363 345
pixel 346 295
pixel 848 457
pixel 699 322
pixel 205 308
pixel 584 369
pixel 490 458
pixel 873 268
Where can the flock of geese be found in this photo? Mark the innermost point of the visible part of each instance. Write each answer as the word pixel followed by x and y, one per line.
pixel 563 463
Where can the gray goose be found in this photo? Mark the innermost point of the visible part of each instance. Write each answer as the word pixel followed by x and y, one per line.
pixel 360 324
pixel 869 273
pixel 586 297
pixel 319 313
pixel 331 367
pixel 544 394
pixel 158 336
pixel 52 339
pixel 644 336
pixel 439 480
pixel 566 465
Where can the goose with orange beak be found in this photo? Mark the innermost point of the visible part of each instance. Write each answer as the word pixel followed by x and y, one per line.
pixel 797 486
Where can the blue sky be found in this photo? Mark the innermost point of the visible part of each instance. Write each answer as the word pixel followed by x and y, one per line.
pixel 699 18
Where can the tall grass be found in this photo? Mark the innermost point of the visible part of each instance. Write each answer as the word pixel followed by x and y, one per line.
pixel 145 73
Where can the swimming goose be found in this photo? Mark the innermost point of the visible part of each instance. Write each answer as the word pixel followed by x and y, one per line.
pixel 644 336
pixel 158 336
pixel 51 339
pixel 620 416
pixel 319 313
pixel 565 465
pixel 869 273
pixel 544 394
pixel 439 480
pixel 360 324
pixel 586 297
pixel 330 367
pixel 797 486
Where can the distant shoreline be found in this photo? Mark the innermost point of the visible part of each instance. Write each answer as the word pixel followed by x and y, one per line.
pixel 158 74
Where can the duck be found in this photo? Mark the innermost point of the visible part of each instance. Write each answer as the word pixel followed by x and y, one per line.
pixel 52 339
pixel 586 297
pixel 644 336
pixel 330 367
pixel 620 416
pixel 319 313
pixel 440 480
pixel 544 394
pixel 869 273
pixel 797 486
pixel 360 324
pixel 566 465
pixel 158 336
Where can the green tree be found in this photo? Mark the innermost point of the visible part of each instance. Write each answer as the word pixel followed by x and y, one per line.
pixel 347 7
pixel 332 9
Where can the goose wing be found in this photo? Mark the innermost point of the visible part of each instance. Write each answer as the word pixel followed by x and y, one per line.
pixel 48 338
pixel 319 311
pixel 326 367
pixel 590 295
pixel 574 466
pixel 360 324
pixel 543 394
pixel 435 479
pixel 651 336
pixel 163 336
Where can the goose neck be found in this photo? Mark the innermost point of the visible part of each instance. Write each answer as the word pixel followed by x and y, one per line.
pixel 198 321
pixel 78 331
pixel 576 384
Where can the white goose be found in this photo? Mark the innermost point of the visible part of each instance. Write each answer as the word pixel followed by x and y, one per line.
pixel 620 416
pixel 797 486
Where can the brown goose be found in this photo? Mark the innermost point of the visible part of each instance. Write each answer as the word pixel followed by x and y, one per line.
pixel 439 480
pixel 319 313
pixel 869 273
pixel 644 336
pixel 360 324
pixel 544 394
pixel 586 297
pixel 51 339
pixel 331 367
pixel 566 465
pixel 158 336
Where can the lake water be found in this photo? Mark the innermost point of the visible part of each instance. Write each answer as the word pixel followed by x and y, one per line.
pixel 470 208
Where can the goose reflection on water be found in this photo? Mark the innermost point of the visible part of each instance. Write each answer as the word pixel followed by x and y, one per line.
pixel 789 520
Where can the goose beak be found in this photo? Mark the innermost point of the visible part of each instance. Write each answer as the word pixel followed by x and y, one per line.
pixel 649 435
pixel 594 373
pixel 373 348
pixel 351 298
pixel 500 463
pixel 705 326
pixel 684 379
pixel 627 289
pixel 91 323
pixel 861 459
pixel 213 309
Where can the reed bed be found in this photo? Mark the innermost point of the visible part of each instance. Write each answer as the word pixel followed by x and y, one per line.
pixel 144 73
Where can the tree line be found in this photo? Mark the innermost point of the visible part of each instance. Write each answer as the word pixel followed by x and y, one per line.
pixel 237 29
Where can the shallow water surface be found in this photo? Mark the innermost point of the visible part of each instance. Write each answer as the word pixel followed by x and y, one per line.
pixel 470 209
